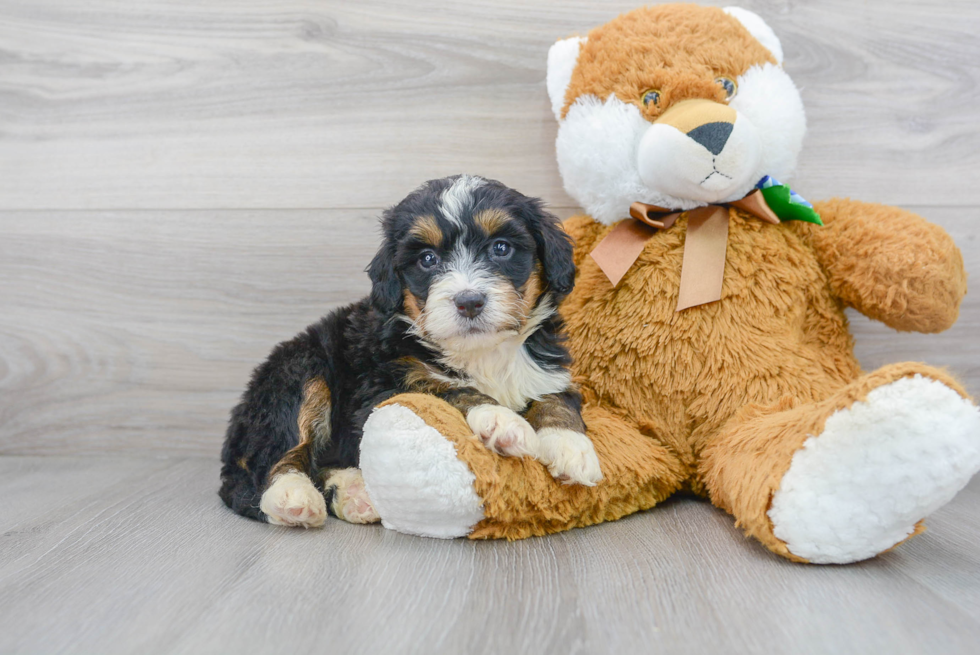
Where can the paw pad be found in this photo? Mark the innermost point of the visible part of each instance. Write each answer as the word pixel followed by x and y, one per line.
pixel 292 500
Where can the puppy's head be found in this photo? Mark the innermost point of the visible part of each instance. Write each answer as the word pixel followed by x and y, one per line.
pixel 468 260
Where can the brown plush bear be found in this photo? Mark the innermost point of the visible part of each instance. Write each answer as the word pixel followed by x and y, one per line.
pixel 707 322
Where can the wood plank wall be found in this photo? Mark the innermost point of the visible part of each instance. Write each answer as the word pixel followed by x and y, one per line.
pixel 184 184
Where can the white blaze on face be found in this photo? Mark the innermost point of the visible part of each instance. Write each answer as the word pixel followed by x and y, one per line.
pixel 442 322
pixel 458 197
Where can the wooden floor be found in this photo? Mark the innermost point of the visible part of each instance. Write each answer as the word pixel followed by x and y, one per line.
pixel 184 184
pixel 137 555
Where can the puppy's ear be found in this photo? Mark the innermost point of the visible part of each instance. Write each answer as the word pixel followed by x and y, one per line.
pixel 554 249
pixel 386 288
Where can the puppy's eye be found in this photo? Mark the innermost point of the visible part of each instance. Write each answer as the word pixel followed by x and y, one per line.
pixel 728 84
pixel 428 259
pixel 651 97
pixel 501 249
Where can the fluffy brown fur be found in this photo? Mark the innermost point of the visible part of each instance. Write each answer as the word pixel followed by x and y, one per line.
pixel 743 465
pixel 625 57
pixel 716 399
pixel 520 498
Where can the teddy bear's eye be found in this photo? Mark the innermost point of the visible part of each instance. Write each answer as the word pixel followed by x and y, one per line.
pixel 728 84
pixel 651 96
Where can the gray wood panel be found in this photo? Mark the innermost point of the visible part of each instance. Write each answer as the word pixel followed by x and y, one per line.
pixel 184 184
pixel 153 563
pixel 306 104
pixel 136 331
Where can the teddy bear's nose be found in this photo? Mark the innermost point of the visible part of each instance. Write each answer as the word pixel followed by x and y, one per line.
pixel 712 136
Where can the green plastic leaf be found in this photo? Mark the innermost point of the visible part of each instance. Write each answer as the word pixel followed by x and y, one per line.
pixel 778 199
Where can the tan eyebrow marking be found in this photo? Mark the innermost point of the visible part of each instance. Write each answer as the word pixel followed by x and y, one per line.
pixel 491 220
pixel 426 228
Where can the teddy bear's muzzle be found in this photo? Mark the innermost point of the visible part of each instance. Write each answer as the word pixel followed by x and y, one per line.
pixel 699 149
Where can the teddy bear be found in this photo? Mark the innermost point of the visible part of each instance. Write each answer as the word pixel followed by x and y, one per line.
pixel 707 321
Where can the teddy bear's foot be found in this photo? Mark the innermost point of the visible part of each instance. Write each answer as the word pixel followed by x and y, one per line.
pixel 877 469
pixel 411 472
pixel 292 500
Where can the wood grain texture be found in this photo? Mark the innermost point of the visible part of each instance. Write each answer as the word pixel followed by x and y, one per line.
pixel 306 104
pixel 136 331
pixel 151 562
pixel 184 184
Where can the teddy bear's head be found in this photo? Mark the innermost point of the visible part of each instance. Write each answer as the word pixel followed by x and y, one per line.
pixel 673 105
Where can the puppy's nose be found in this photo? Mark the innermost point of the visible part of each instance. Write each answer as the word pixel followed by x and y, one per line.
pixel 470 303
pixel 712 136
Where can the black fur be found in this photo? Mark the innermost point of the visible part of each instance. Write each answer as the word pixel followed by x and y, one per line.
pixel 364 351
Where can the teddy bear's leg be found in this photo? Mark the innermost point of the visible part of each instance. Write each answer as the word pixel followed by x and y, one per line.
pixel 849 477
pixel 427 474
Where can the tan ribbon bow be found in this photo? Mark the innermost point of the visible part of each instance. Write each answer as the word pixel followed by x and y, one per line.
pixel 705 247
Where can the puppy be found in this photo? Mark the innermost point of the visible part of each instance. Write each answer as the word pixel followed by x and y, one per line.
pixel 463 306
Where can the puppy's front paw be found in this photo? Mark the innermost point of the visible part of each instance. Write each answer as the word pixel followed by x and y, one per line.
pixel 350 500
pixel 292 500
pixel 570 456
pixel 502 430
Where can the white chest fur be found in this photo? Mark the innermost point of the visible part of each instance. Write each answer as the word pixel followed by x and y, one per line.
pixel 507 373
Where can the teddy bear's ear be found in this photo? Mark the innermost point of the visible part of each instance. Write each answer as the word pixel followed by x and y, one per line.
pixel 561 62
pixel 757 28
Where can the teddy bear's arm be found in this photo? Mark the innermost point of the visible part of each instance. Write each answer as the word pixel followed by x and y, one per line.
pixel 586 231
pixel 889 264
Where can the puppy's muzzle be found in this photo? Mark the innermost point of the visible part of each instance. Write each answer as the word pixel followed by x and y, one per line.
pixel 470 303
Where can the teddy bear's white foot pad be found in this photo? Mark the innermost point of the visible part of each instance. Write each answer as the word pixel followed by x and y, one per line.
pixel 413 476
pixel 877 469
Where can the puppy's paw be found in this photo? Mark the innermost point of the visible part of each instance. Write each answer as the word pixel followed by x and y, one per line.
pixel 503 431
pixel 292 500
pixel 570 456
pixel 350 500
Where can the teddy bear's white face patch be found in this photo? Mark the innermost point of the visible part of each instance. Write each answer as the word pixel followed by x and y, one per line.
pixel 610 156
pixel 768 98
pixel 596 151
pixel 708 164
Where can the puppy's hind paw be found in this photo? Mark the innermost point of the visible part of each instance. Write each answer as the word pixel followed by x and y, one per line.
pixel 502 430
pixel 350 500
pixel 292 500
pixel 570 456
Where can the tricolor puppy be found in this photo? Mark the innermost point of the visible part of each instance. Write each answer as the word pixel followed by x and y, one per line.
pixel 463 306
